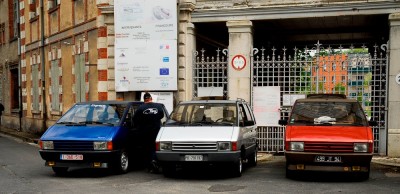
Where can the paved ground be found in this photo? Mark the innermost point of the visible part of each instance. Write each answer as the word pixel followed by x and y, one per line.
pixel 33 138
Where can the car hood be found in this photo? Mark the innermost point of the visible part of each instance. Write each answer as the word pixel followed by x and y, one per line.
pixel 95 132
pixel 204 133
pixel 327 133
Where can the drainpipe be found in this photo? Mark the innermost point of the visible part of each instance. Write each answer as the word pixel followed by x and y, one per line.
pixel 19 71
pixel 43 68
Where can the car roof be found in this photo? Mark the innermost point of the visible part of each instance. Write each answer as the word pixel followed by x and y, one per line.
pixel 111 102
pixel 210 102
pixel 326 100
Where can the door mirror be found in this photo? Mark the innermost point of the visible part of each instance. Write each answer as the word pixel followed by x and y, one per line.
pixel 373 123
pixel 282 122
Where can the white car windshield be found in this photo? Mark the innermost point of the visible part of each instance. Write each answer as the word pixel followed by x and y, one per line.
pixel 204 114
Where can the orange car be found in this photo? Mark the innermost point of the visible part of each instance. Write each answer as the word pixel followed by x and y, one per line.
pixel 328 132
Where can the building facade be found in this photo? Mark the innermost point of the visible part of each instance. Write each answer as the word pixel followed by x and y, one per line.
pixel 239 47
pixel 9 63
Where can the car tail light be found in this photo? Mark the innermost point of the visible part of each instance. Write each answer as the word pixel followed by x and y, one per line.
pixel 109 145
pixel 157 146
pixel 234 146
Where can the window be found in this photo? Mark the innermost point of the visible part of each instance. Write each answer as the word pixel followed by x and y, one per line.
pixel 80 83
pixel 2 33
pixel 53 4
pixel 14 94
pixel 13 20
pixel 35 84
pixel 55 85
pixel 343 78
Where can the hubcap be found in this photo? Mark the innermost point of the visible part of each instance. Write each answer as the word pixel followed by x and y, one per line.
pixel 124 161
pixel 240 166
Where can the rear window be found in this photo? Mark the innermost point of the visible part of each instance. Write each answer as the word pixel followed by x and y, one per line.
pixel 332 113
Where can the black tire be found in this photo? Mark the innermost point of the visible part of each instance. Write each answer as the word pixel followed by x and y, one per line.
pixel 121 166
pixel 168 170
pixel 363 176
pixel 252 159
pixel 237 168
pixel 289 173
pixel 60 171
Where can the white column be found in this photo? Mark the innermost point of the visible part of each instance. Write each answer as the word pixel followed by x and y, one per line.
pixel 239 67
pixel 394 88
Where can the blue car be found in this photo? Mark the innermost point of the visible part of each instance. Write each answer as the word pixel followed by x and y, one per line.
pixel 94 135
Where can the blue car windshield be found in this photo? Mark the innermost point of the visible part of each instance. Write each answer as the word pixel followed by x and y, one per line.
pixel 109 114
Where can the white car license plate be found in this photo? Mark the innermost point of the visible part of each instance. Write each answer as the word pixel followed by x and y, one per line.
pixel 193 157
pixel 71 157
pixel 328 159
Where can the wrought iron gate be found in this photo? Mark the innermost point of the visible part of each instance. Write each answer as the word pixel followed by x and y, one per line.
pixel 359 72
pixel 210 71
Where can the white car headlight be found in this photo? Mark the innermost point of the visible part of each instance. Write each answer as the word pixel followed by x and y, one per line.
pixel 165 145
pixel 360 147
pixel 100 145
pixel 224 146
pixel 47 145
pixel 297 146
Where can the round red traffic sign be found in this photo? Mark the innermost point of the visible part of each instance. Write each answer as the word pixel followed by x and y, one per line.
pixel 238 62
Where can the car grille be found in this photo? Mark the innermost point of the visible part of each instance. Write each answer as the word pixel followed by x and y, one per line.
pixel 73 145
pixel 328 147
pixel 194 146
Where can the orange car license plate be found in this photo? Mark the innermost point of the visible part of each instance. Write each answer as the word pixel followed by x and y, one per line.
pixel 328 159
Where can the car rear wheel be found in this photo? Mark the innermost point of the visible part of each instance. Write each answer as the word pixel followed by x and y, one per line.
pixel 122 164
pixel 252 160
pixel 237 168
pixel 60 170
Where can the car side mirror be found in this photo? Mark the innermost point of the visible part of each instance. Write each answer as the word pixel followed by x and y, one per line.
pixel 282 122
pixel 373 123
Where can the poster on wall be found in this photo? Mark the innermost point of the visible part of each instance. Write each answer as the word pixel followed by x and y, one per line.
pixel 266 104
pixel 145 45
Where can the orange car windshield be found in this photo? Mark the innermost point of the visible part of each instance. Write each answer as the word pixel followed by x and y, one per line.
pixel 328 113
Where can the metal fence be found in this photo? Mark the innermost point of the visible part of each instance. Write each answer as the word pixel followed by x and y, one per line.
pixel 359 72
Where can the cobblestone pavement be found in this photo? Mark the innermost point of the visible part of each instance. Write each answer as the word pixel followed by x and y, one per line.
pixel 262 157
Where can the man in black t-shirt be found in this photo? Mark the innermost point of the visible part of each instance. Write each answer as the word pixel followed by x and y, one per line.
pixel 147 118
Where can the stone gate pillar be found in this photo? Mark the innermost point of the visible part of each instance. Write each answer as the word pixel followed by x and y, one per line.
pixel 239 67
pixel 186 48
pixel 394 88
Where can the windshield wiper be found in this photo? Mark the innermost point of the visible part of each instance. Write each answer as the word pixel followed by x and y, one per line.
pixel 323 124
pixel 72 123
pixel 303 121
pixel 96 122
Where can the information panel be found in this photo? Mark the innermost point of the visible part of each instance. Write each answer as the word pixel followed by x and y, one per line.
pixel 266 105
pixel 145 45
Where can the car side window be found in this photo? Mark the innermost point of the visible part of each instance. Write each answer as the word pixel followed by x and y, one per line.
pixel 247 117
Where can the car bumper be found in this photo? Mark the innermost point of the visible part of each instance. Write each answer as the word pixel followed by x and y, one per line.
pixel 349 162
pixel 91 159
pixel 208 157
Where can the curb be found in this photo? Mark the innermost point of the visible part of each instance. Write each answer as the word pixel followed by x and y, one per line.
pixel 385 162
pixel 21 137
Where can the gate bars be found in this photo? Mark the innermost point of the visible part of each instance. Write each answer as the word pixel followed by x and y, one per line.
pixel 358 72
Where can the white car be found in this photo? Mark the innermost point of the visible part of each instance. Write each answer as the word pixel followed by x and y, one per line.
pixel 208 132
